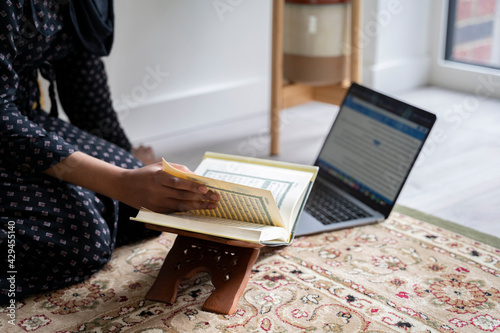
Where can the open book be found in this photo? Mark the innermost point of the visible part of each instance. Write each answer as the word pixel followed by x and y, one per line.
pixel 260 200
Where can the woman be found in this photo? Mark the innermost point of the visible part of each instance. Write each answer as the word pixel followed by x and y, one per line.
pixel 67 195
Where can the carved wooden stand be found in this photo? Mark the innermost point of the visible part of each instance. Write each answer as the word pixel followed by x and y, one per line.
pixel 228 261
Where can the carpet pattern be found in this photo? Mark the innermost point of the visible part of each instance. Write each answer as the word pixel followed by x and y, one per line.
pixel 402 275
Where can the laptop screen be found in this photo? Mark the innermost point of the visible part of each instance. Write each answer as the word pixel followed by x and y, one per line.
pixel 373 145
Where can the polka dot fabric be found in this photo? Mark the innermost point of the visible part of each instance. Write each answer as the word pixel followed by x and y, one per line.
pixel 64 233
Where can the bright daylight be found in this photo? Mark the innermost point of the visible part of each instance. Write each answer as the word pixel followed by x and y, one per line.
pixel 250 166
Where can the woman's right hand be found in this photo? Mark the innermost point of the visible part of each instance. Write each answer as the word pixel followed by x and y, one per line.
pixel 149 187
pixel 152 188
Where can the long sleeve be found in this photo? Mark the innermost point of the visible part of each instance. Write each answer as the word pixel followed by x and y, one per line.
pixel 25 146
pixel 84 94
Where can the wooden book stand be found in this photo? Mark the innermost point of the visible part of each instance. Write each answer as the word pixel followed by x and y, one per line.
pixel 228 261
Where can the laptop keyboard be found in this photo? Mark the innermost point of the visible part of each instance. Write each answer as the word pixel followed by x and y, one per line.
pixel 330 207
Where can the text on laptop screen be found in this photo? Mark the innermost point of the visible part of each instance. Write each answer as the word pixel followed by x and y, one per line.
pixel 372 149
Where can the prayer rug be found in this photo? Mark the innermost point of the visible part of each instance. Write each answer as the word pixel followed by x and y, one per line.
pixel 401 275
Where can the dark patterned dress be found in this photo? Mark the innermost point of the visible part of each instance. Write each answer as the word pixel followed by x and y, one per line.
pixel 63 233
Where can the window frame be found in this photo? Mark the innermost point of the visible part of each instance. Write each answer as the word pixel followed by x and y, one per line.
pixel 452 74
pixel 450 34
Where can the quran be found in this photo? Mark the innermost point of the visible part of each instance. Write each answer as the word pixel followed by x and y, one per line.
pixel 260 200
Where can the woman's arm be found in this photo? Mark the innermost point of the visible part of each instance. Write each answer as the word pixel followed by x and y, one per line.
pixel 84 93
pixel 148 187
pixel 25 147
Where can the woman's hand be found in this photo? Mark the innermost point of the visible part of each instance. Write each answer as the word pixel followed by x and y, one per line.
pixel 148 187
pixel 154 189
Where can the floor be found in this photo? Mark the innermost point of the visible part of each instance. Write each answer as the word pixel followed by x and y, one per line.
pixel 457 176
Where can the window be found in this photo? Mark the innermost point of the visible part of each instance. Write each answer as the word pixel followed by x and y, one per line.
pixel 473 32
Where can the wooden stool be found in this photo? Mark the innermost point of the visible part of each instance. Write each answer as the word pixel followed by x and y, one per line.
pixel 228 261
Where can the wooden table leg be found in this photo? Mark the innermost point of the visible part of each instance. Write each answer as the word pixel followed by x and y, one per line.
pixel 230 267
pixel 277 73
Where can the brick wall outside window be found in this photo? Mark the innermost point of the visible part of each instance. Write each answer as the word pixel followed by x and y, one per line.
pixel 477 32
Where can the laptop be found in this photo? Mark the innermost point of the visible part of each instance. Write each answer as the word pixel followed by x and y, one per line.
pixel 364 162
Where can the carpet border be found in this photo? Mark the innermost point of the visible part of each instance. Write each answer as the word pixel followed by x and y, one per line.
pixel 451 226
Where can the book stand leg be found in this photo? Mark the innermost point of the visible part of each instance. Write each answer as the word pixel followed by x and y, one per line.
pixel 229 265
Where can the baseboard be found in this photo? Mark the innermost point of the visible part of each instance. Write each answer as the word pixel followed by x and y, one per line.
pixel 194 109
pixel 398 75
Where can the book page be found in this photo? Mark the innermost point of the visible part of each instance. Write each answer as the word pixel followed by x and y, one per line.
pixel 286 185
pixel 237 201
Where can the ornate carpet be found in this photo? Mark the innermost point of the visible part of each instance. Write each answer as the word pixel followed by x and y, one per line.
pixel 402 275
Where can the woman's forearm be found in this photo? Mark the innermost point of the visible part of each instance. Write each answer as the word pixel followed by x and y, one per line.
pixel 148 187
pixel 89 172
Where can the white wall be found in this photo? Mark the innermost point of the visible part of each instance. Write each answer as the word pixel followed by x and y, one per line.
pixel 212 59
pixel 179 65
pixel 396 44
